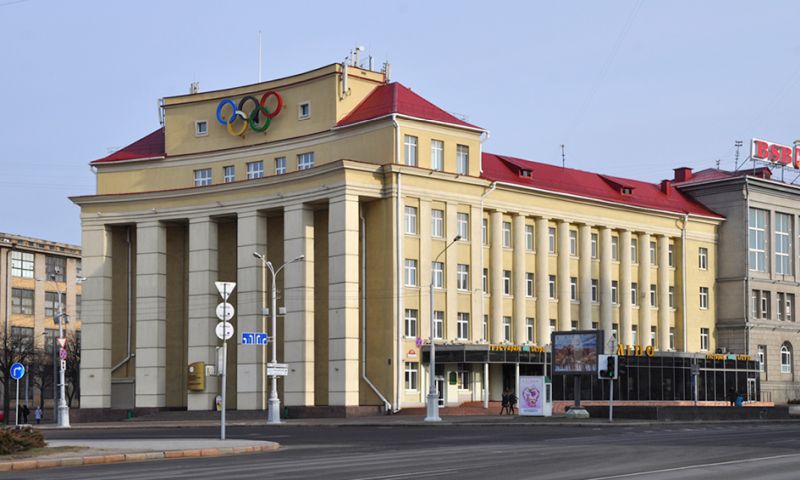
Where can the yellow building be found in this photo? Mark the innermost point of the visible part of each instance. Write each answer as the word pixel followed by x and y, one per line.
pixel 369 182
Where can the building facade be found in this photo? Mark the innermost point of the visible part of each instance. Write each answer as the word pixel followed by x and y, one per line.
pixel 758 281
pixel 383 194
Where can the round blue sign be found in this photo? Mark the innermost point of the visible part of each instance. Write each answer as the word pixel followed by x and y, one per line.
pixel 17 371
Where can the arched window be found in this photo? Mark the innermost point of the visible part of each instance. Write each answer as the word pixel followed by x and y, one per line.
pixel 786 358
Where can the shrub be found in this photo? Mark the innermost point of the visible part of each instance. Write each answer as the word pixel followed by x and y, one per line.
pixel 18 440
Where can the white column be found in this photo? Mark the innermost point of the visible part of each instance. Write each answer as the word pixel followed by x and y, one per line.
pixel 151 314
pixel 624 293
pixel 663 293
pixel 96 318
pixel 606 307
pixel 644 289
pixel 251 236
pixel 542 285
pixel 298 231
pixel 585 275
pixel 343 303
pixel 518 272
pixel 203 300
pixel 496 276
pixel 563 279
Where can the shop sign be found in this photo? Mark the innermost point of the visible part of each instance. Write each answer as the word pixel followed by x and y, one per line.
pixel 635 350
pixel 720 356
pixel 516 348
pixel 776 153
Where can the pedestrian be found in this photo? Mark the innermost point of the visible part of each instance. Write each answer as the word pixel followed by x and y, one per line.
pixel 504 405
pixel 512 401
pixel 37 414
pixel 732 397
pixel 25 412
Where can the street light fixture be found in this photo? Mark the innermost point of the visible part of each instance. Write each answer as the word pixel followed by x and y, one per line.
pixel 273 414
pixel 63 408
pixel 433 397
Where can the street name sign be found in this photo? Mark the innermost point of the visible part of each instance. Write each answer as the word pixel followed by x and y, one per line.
pixel 277 369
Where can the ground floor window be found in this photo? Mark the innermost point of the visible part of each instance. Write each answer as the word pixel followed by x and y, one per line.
pixel 412 375
pixel 786 359
pixel 463 377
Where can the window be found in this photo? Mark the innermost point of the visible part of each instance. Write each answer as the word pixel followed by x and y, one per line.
pixel 573 243
pixel 653 260
pixel 573 288
pixel 202 177
pixel 786 359
pixel 485 327
pixel 783 244
pixel 595 325
pixel 462 326
pixel 410 149
pixel 462 277
pixel 462 375
pixel 21 301
pixel 779 311
pixel 757 239
pixel 614 330
pixel 615 248
pixel 635 333
pixel 762 357
pixel 702 258
pixel 280 165
pixel 785 310
pixel 485 280
pixel 437 155
pixel 228 174
pixel 200 128
pixel 653 336
pixel 507 234
pixel 507 329
pixel 411 322
pixel 411 220
pixel 790 307
pixel 305 161
pixel 255 170
pixel 594 245
pixel 529 329
pixel 412 375
pixel 25 337
pixel 462 159
pixel 551 240
pixel 634 250
pixel 51 304
pixel 594 290
pixel 704 339
pixel 528 284
pixel 672 338
pixel 704 298
pixel 634 293
pixel 304 111
pixel 671 297
pixel 552 286
pixel 507 282
pixel 411 272
pixel 552 325
pixel 437 223
pixel 438 324
pixel 55 268
pixel 462 224
pixel 761 304
pixel 529 238
pixel 22 264
pixel 438 274
pixel 671 255
pixel 653 296
pixel 485 231
pixel 78 306
pixel 614 288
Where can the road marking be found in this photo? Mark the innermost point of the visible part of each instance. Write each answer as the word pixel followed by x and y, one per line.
pixel 411 474
pixel 688 467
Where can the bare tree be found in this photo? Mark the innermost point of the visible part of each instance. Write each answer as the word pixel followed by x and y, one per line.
pixel 72 375
pixel 41 371
pixel 15 348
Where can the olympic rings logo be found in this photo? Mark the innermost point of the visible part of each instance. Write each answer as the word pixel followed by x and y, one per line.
pixel 258 119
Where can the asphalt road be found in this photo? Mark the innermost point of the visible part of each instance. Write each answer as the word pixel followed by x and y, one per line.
pixel 696 451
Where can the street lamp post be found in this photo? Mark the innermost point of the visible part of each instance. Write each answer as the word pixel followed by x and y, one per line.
pixel 273 413
pixel 433 397
pixel 63 408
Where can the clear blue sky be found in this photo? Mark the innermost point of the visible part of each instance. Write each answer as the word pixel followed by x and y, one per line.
pixel 633 88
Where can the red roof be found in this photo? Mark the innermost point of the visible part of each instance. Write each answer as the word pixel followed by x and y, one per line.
pixel 396 98
pixel 713 174
pixel 151 146
pixel 590 185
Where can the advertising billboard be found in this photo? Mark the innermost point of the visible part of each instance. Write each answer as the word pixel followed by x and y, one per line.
pixel 531 396
pixel 576 352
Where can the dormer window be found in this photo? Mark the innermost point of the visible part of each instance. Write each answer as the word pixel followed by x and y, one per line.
pixel 525 173
pixel 627 191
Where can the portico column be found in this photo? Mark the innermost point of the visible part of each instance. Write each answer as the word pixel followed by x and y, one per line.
pixel 585 275
pixel 663 293
pixel 644 289
pixel 298 348
pixel 203 299
pixel 96 318
pixel 518 269
pixel 151 312
pixel 563 279
pixel 343 303
pixel 625 260
pixel 606 306
pixel 251 236
pixel 496 276
pixel 542 285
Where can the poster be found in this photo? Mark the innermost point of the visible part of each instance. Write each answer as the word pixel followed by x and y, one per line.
pixel 531 396
pixel 575 352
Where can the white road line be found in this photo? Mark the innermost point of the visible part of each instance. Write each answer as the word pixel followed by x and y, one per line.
pixel 411 474
pixel 689 467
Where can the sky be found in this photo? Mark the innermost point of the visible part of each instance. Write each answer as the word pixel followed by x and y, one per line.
pixel 632 88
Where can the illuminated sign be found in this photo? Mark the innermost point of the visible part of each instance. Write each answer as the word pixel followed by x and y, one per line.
pixel 516 348
pixel 635 350
pixel 781 155
pixel 720 356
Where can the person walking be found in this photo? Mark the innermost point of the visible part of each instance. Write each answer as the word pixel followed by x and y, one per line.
pixel 504 405
pixel 512 402
pixel 25 412
pixel 732 397
pixel 37 414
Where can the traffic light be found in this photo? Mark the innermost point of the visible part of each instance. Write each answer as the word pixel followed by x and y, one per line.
pixel 607 368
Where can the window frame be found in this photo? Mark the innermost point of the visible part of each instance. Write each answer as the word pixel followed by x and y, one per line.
pixel 462 326
pixel 255 169
pixel 437 160
pixel 410 150
pixel 410 276
pixel 280 165
pixel 305 161
pixel 203 177
pixel 462 277
pixel 410 216
pixel 462 225
pixel 411 323
pixel 437 223
pixel 24 265
pixel 462 159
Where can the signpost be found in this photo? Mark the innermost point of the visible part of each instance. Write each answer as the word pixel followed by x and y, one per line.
pixel 278 369
pixel 224 331
pixel 255 338
pixel 17 372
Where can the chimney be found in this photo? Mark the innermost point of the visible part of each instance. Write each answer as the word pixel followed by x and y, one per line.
pixel 682 174
pixel 666 187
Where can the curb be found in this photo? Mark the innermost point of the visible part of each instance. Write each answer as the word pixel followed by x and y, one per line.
pixel 33 464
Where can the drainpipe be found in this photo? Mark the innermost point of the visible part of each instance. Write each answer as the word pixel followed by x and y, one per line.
pixel 746 296
pixel 683 280
pixel 483 295
pixel 398 239
pixel 387 407
pixel 129 312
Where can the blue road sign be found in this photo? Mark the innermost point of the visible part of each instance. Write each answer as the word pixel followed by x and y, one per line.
pixel 248 338
pixel 261 338
pixel 17 371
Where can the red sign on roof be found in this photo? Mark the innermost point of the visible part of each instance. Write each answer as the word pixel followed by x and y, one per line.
pixel 775 153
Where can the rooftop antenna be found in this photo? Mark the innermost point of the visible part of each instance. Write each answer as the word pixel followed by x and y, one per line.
pixel 738 144
pixel 259 56
pixel 563 157
pixel 718 160
pixel 359 48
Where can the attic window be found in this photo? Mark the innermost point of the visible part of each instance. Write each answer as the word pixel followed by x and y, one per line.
pixel 524 172
pixel 627 191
